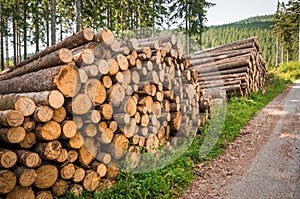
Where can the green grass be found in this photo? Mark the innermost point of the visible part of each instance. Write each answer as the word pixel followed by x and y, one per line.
pixel 170 181
pixel 289 70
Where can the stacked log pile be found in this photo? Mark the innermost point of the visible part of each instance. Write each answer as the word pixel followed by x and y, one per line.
pixel 69 112
pixel 237 67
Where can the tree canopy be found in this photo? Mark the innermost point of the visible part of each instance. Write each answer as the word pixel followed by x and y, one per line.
pixel 45 22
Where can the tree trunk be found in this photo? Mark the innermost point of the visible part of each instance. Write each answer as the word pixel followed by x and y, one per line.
pixel 25 28
pixel 1 39
pixel 6 45
pixel 78 15
pixel 77 39
pixel 56 58
pixel 64 78
pixel 53 22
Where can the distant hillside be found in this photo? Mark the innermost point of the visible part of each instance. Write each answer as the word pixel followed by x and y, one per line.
pixel 255 26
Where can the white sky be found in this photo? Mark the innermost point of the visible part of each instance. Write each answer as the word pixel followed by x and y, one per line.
pixel 227 11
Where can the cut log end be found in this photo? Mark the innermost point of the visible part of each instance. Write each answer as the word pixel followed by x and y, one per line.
pixel 68 81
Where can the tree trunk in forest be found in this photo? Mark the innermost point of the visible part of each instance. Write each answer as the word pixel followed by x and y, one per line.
pixel 6 44
pixel 78 15
pixel 53 22
pixel 277 50
pixel 25 28
pixel 14 39
pixel 1 39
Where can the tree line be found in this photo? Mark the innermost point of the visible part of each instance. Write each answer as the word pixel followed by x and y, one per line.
pixel 45 22
pixel 286 30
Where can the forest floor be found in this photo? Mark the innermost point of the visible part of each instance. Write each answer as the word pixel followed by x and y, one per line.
pixel 263 162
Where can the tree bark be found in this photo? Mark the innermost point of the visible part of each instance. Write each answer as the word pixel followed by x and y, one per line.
pixel 64 78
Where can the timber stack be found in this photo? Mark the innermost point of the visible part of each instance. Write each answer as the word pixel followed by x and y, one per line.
pixel 71 111
pixel 238 68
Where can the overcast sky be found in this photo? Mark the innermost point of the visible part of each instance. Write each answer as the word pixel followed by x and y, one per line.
pixel 227 11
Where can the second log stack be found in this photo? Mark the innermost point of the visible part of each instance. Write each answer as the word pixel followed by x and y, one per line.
pixel 237 67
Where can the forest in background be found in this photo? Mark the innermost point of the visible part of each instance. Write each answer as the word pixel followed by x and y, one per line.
pixel 43 23
pixel 278 34
pixel 259 26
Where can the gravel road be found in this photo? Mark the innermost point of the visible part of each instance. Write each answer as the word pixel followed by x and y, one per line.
pixel 263 162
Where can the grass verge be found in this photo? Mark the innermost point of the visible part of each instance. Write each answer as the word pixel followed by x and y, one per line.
pixel 171 181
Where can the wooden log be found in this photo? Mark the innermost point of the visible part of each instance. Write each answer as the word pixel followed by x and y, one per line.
pixel 130 129
pixel 100 168
pixel 59 57
pixel 28 158
pixel 11 118
pixel 84 58
pixel 113 67
pixel 107 81
pixel 12 135
pixel 79 174
pixel 54 98
pixel 44 194
pixel 77 39
pixel 49 150
pixel 122 61
pixel 21 192
pixel 8 181
pixel 176 119
pixel 63 156
pixel 8 158
pixel 104 158
pixel 106 136
pixel 113 125
pixel 222 56
pixel 112 170
pixel 69 129
pixel 105 36
pixel 59 114
pixel 64 78
pixel 103 67
pixel 83 75
pixel 224 66
pixel 26 177
pixel 75 142
pixel 116 95
pixel 43 114
pixel 29 141
pixel 28 124
pixel 60 187
pixel 91 181
pixel 106 111
pixel 48 131
pixel 152 143
pixel 46 176
pixel 67 171
pixel 76 189
pixel 72 156
pixel 128 106
pixel 96 91
pixel 88 152
pixel 79 105
pixel 23 104
pixel 230 46
pixel 90 130
pixel 132 44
